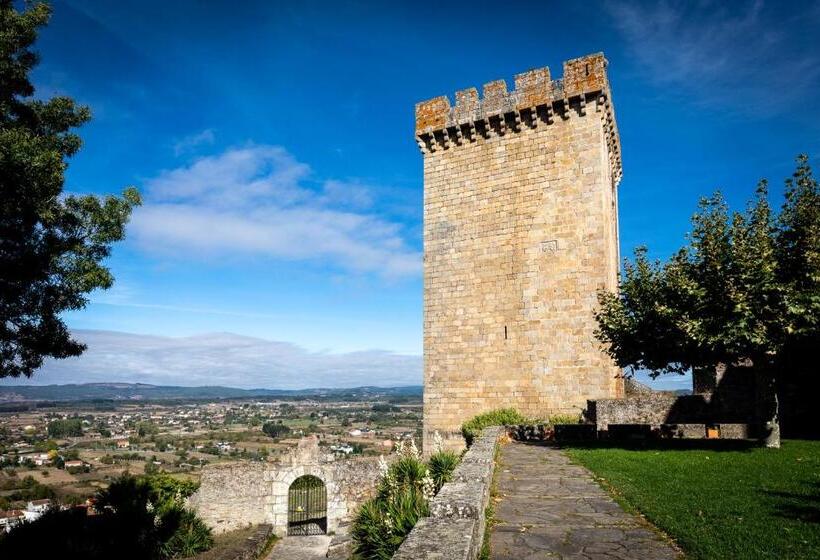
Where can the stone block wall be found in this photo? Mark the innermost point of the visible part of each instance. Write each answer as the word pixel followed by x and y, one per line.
pixel 235 495
pixel 653 409
pixel 520 232
pixel 456 525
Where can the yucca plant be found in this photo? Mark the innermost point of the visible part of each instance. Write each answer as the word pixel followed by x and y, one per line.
pixel 191 537
pixel 383 522
pixel 442 464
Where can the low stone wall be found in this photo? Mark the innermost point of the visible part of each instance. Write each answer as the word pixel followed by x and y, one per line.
pixel 662 408
pixel 455 528
pixel 651 408
pixel 235 495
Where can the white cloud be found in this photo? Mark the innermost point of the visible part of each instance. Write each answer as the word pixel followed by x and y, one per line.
pixel 224 359
pixel 723 52
pixel 259 201
pixel 192 142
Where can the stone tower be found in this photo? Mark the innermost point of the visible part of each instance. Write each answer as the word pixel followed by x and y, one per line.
pixel 520 232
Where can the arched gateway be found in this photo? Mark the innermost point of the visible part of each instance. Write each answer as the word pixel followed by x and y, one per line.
pixel 307 506
pixel 306 492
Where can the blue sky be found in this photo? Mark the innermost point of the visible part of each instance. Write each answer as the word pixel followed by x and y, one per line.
pixel 273 143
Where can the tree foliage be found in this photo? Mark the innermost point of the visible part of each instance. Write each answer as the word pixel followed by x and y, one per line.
pixel 52 245
pixel 275 430
pixel 139 517
pixel 383 522
pixel 63 428
pixel 746 287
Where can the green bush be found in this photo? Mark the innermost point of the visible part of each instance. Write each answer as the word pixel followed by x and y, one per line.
pixel 139 517
pixel 442 464
pixel 565 419
pixel 498 417
pixel 190 537
pixel 382 523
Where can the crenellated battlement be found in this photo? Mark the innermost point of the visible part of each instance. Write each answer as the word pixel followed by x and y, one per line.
pixel 537 98
pixel 520 234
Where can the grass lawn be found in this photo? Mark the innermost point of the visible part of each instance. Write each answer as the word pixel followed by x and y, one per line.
pixel 720 504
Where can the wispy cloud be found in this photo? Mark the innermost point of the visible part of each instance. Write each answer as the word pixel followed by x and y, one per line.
pixel 259 201
pixel 191 142
pixel 224 359
pixel 724 52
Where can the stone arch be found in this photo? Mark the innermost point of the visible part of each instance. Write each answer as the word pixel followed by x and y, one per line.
pixel 307 506
pixel 234 495
pixel 284 478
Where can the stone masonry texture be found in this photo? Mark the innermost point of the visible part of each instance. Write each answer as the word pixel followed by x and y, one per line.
pixel 235 495
pixel 457 522
pixel 520 232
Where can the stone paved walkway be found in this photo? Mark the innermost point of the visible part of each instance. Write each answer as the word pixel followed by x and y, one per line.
pixel 300 548
pixel 550 508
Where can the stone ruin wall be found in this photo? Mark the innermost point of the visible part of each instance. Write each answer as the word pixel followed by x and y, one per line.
pixel 235 495
pixel 520 232
pixel 724 396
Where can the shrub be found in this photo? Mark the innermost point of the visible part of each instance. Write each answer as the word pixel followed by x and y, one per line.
pixel 382 523
pixel 499 417
pixel 442 464
pixel 191 536
pixel 140 517
pixel 565 419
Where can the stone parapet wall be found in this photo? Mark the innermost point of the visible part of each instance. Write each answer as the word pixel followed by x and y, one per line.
pixel 455 528
pixel 667 409
pixel 651 408
pixel 234 495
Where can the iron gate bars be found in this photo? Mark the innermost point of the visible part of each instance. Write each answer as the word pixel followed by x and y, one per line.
pixel 307 507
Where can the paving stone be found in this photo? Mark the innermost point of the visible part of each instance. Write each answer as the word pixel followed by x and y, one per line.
pixel 550 508
pixel 300 548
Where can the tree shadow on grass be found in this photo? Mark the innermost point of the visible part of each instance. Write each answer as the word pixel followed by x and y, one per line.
pixel 801 507
pixel 653 444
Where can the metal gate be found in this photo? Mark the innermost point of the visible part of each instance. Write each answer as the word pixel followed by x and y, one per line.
pixel 307 506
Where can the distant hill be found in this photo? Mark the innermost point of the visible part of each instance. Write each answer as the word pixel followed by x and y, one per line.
pixel 141 391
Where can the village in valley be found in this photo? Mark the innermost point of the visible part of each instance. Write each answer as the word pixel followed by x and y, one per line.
pixel 63 453
pixel 316 284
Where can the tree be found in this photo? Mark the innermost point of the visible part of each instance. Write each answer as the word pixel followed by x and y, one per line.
pixel 52 245
pixel 275 430
pixel 745 290
pixel 70 427
pixel 139 517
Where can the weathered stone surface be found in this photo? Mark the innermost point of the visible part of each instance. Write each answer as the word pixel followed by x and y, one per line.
pixel 551 508
pixel 439 539
pixel 575 432
pixel 455 528
pixel 301 548
pixel 520 231
pixel 234 495
pixel 341 547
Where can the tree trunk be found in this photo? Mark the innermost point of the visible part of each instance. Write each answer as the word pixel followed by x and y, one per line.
pixel 771 429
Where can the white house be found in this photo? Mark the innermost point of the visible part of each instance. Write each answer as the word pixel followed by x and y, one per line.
pixel 10 519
